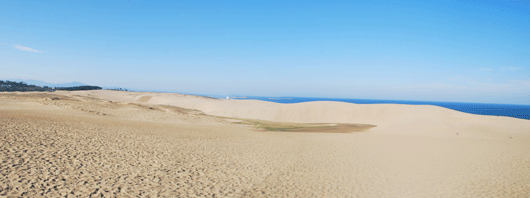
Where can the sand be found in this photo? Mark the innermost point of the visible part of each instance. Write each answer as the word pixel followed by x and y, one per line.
pixel 123 144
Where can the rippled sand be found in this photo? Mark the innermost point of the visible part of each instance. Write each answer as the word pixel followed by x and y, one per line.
pixel 104 143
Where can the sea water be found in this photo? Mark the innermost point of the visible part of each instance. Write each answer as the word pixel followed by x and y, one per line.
pixel 509 110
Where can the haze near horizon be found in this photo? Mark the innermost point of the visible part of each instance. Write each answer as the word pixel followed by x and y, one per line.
pixel 457 51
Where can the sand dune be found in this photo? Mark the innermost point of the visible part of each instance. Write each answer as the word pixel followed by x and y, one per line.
pixel 390 118
pixel 110 143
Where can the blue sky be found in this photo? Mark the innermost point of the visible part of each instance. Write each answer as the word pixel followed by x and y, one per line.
pixel 455 50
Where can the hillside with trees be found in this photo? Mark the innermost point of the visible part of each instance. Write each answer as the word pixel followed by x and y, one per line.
pixel 77 88
pixel 8 86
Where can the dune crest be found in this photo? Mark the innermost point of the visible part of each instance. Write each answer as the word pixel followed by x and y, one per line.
pixel 389 118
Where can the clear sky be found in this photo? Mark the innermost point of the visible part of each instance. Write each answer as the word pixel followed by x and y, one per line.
pixel 454 50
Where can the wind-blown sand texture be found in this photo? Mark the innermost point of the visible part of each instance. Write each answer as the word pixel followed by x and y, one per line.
pixel 110 143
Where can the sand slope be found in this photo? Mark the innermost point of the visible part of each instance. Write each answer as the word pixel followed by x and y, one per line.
pixel 80 143
pixel 390 118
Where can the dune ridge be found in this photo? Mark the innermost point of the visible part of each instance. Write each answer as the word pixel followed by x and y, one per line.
pixel 389 118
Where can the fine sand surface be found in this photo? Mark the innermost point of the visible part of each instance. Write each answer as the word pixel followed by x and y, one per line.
pixel 124 144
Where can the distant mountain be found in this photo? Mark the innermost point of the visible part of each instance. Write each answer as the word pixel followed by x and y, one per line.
pixel 42 83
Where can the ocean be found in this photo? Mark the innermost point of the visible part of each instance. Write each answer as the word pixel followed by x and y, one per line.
pixel 509 110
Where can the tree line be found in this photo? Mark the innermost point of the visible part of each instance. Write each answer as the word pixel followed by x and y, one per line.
pixel 6 86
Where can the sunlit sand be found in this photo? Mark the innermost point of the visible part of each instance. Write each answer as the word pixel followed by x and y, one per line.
pixel 111 143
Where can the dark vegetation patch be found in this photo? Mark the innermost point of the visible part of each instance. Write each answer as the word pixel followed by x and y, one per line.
pixel 306 127
pixel 9 86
